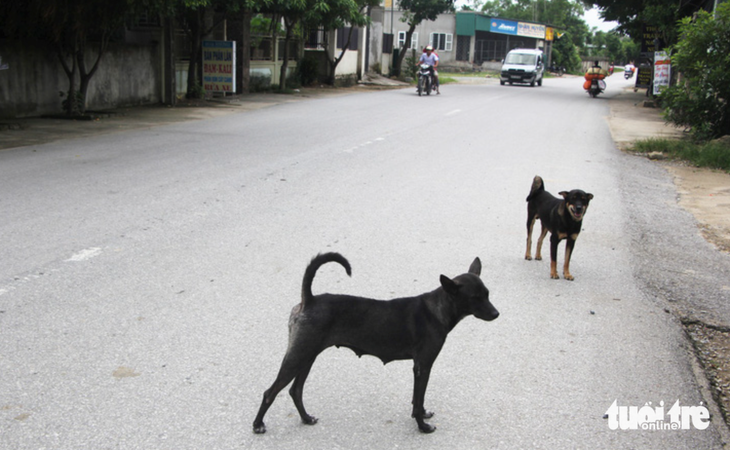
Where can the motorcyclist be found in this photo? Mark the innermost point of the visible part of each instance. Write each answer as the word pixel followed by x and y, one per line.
pixel 595 72
pixel 430 58
pixel 629 68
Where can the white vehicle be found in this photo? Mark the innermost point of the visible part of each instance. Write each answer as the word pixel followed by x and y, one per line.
pixel 523 65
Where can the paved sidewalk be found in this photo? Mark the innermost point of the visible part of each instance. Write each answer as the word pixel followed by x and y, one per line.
pixel 37 130
pixel 630 119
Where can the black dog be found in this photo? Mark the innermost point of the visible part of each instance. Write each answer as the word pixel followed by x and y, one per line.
pixel 406 328
pixel 552 214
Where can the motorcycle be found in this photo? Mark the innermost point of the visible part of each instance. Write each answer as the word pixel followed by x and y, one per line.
pixel 425 79
pixel 597 86
pixel 628 74
pixel 558 71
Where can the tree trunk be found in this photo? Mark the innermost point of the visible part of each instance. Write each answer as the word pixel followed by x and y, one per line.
pixel 195 29
pixel 244 77
pixel 331 76
pixel 402 55
pixel 68 105
pixel 84 75
pixel 289 23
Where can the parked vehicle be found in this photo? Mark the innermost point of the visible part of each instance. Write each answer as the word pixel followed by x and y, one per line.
pixel 558 71
pixel 523 65
pixel 425 79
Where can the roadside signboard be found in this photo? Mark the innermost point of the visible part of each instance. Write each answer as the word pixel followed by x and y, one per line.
pixel 662 71
pixel 643 76
pixel 219 66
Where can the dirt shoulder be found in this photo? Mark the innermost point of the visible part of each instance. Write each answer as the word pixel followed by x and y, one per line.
pixel 705 193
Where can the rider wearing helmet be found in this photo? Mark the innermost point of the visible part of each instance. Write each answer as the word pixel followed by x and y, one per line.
pixel 429 57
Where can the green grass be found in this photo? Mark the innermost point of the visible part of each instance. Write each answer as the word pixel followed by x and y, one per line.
pixel 713 154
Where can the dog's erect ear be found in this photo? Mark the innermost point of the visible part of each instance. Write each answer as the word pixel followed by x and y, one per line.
pixel 590 196
pixel 564 194
pixel 449 285
pixel 476 267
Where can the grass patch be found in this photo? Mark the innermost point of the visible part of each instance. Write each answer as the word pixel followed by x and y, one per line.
pixel 712 154
pixel 487 74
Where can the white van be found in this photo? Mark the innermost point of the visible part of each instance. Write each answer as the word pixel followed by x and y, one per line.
pixel 523 65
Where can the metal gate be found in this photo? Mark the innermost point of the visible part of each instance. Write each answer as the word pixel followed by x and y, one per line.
pixel 490 50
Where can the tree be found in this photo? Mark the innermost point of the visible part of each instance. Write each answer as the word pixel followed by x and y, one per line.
pixel 633 15
pixel 701 101
pixel 415 12
pixel 193 17
pixel 292 12
pixel 75 30
pixel 336 15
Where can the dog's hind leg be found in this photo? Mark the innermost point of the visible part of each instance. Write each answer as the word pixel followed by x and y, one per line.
pixel 531 219
pixel 538 250
pixel 290 368
pixel 296 391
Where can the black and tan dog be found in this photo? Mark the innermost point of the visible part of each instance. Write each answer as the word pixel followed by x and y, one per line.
pixel 406 328
pixel 562 218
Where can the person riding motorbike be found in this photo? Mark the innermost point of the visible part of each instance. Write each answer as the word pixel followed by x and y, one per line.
pixel 594 73
pixel 629 70
pixel 430 58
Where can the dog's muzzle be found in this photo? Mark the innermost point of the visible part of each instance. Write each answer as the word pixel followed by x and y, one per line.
pixel 576 211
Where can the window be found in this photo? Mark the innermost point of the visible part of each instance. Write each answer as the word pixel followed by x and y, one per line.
pixel 342 35
pixel 315 39
pixel 261 49
pixel 462 48
pixel 402 40
pixel 442 41
pixel 387 43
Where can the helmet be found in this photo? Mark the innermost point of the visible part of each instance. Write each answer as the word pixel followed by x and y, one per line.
pixel 429 48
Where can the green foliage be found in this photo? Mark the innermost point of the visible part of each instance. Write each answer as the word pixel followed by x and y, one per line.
pixel 308 70
pixel 633 14
pixel 701 101
pixel 713 154
pixel 416 11
pixel 566 54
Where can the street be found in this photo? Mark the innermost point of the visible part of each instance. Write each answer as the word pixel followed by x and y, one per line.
pixel 147 277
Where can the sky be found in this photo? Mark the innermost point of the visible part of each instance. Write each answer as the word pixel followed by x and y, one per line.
pixel 593 20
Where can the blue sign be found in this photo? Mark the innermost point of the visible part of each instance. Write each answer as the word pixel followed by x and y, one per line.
pixel 503 26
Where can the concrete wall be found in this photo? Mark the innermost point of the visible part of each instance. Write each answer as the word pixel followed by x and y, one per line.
pixel 444 23
pixel 127 75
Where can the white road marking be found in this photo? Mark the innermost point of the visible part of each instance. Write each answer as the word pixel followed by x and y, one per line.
pixel 85 254
pixel 364 144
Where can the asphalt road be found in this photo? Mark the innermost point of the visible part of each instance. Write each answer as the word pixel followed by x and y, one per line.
pixel 147 276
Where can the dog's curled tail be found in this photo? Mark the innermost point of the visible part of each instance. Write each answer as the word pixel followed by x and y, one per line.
pixel 316 263
pixel 537 187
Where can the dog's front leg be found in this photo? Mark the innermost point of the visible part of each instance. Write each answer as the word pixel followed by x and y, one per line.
pixel 421 373
pixel 554 241
pixel 569 244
